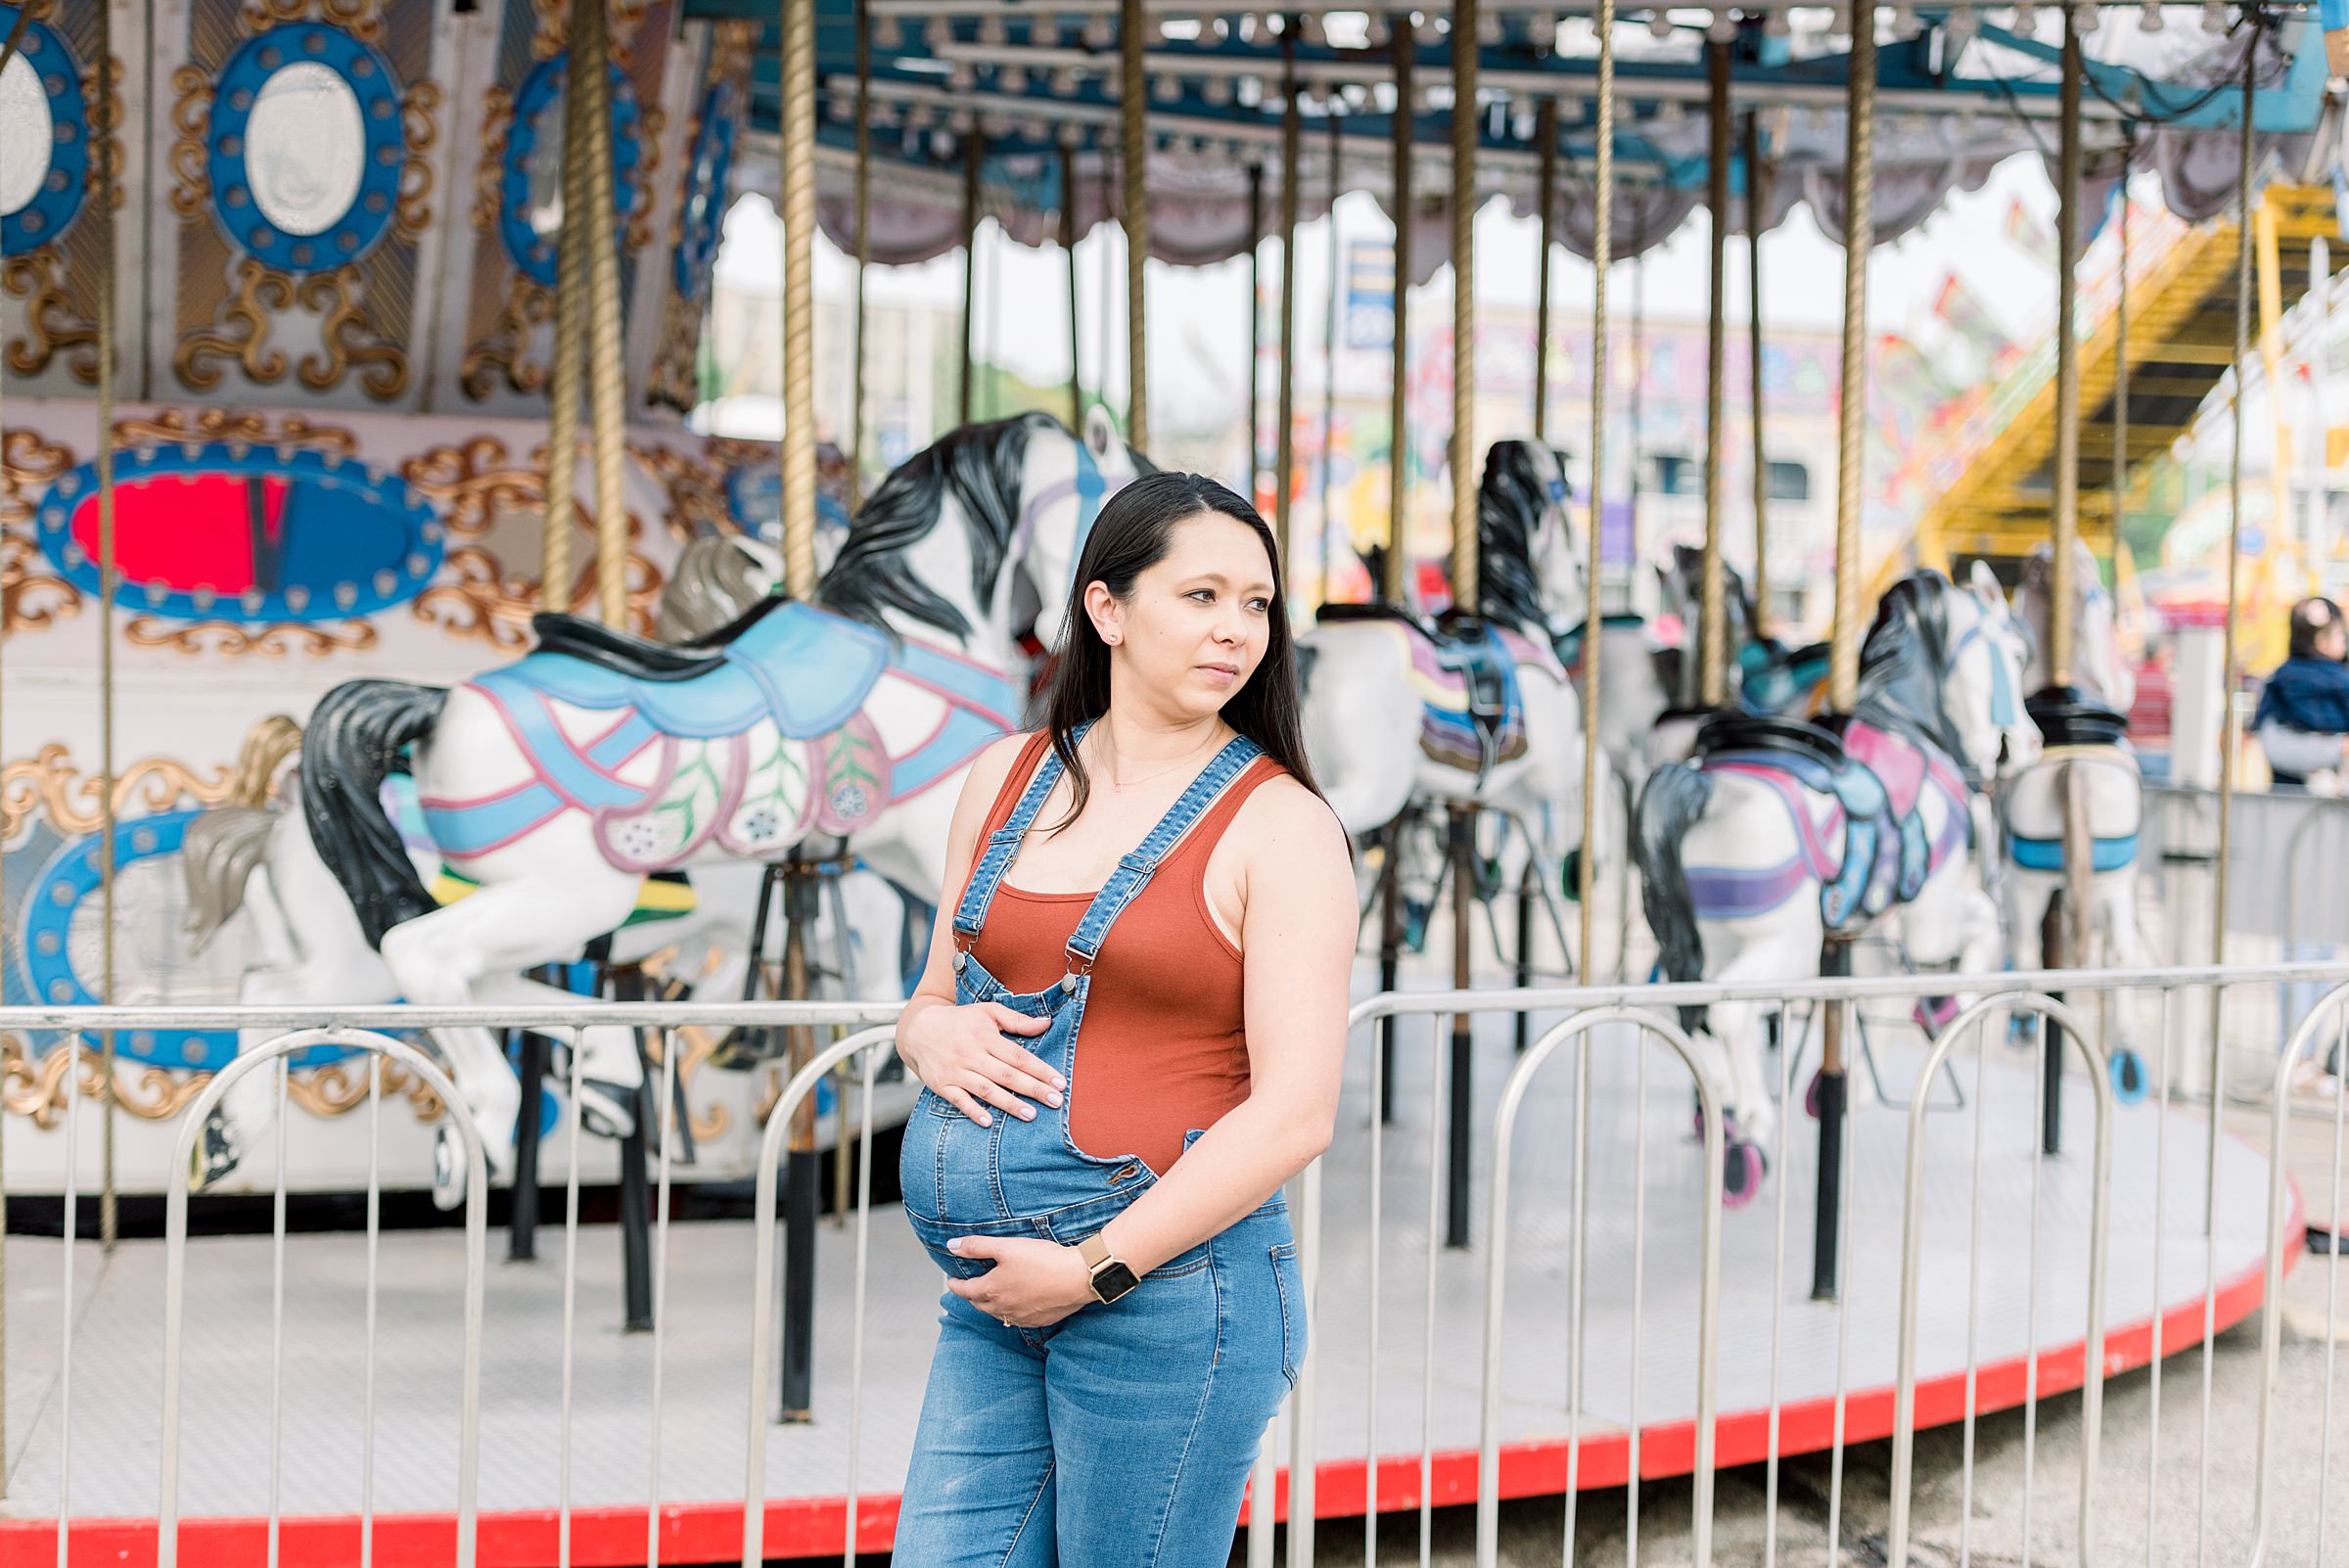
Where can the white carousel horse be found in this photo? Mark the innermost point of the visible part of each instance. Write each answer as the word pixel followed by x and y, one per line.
pixel 557 784
pixel 2087 768
pixel 1777 834
pixel 1397 711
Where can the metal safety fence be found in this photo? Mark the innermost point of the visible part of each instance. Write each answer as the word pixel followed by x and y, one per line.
pixel 1602 1332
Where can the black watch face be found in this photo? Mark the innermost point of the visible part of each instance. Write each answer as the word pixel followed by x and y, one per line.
pixel 1114 1280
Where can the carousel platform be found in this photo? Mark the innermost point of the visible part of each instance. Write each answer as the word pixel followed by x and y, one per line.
pixel 688 1454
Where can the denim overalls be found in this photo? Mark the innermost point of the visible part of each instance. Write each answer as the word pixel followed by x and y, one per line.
pixel 1122 1435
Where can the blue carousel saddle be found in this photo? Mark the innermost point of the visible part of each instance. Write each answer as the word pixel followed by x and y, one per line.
pixel 805 669
pixel 1473 713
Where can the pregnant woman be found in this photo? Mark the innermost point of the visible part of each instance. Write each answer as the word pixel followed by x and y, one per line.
pixel 1130 1035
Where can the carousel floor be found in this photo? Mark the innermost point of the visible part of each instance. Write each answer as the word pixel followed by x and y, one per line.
pixel 1644 1385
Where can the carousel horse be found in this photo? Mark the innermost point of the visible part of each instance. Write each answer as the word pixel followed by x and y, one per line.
pixel 2087 769
pixel 1779 833
pixel 558 784
pixel 1465 710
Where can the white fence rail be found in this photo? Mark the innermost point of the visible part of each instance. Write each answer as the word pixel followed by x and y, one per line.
pixel 1640 1319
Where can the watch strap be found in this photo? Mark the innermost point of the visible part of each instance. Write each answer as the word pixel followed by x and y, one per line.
pixel 1095 1250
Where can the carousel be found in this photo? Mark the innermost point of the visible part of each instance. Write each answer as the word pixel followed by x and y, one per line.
pixel 378 631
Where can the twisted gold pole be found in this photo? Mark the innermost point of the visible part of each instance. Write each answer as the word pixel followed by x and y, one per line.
pixel 2120 347
pixel 1133 206
pixel 864 251
pixel 1546 132
pixel 1390 586
pixel 974 154
pixel 1712 637
pixel 2229 652
pixel 1284 444
pixel 1067 251
pixel 1602 258
pixel 799 298
pixel 1755 192
pixel 555 581
pixel 1858 232
pixel 1467 591
pixel 2067 358
pixel 108 581
pixel 606 371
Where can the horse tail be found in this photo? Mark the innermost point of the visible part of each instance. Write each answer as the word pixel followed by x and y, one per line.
pixel 353 744
pixel 217 852
pixel 1675 795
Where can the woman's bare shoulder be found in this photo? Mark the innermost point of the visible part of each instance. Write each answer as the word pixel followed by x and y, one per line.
pixel 1285 818
pixel 989 770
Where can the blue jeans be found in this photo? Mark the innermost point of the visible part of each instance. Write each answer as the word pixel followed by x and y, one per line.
pixel 1120 1437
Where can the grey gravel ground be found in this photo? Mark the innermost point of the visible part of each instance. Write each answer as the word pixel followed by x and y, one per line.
pixel 2003 1520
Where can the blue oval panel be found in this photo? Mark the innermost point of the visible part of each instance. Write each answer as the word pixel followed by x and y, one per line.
pixel 222 530
pixel 707 172
pixel 532 252
pixel 65 172
pixel 72 877
pixel 233 161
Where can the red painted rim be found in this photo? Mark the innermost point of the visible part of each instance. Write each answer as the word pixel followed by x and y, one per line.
pixel 813 1527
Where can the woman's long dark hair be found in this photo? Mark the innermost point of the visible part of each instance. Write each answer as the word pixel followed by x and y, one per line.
pixel 1133 534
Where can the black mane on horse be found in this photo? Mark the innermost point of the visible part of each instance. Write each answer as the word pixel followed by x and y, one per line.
pixel 1508 508
pixel 1905 659
pixel 981 468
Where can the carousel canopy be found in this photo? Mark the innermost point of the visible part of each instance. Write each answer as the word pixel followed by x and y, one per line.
pixel 1033 91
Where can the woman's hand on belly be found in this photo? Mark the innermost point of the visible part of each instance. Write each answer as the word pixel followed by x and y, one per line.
pixel 966 1056
pixel 1034 1283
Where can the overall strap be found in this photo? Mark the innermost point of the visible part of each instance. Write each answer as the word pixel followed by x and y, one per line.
pixel 1003 845
pixel 1134 869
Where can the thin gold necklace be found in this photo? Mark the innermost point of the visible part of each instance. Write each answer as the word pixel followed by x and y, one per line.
pixel 1110 755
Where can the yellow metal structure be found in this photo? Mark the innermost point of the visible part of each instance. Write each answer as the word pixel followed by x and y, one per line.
pixel 2181 340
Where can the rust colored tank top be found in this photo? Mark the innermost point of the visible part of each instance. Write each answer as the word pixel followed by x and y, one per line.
pixel 1163 1046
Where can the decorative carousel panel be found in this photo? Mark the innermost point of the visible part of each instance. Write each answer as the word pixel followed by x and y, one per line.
pixel 304 150
pixel 51 114
pixel 518 185
pixel 259 533
pixel 703 186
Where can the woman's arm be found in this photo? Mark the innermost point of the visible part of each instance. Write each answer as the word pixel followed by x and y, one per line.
pixel 963 1053
pixel 1297 935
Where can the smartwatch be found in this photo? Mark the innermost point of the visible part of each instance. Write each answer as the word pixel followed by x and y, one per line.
pixel 1112 1277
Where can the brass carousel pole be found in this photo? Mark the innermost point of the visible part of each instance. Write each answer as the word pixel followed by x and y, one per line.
pixel 1546 132
pixel 974 151
pixel 1284 438
pixel 556 584
pixel 1134 207
pixel 1602 260
pixel 801 1165
pixel 2067 360
pixel 1067 251
pixel 1329 349
pixel 1754 199
pixel 2057 949
pixel 1843 657
pixel 1256 296
pixel 1713 637
pixel 2231 650
pixel 8 52
pixel 605 370
pixel 108 580
pixel 864 253
pixel 1467 596
pixel 1390 586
